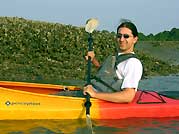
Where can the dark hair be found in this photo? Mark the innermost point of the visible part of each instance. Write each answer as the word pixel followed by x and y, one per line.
pixel 129 25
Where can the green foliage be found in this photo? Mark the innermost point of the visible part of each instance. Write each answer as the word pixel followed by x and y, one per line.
pixel 34 50
pixel 172 35
pixel 153 66
pixel 142 36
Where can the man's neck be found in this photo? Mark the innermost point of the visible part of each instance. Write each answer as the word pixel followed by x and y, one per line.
pixel 119 53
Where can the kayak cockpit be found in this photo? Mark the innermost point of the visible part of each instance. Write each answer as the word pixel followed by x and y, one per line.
pixel 36 87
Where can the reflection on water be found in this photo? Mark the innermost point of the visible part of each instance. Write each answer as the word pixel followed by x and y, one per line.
pixel 41 126
pixel 122 126
pixel 144 125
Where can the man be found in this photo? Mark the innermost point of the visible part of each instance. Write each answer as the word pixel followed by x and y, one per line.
pixel 128 71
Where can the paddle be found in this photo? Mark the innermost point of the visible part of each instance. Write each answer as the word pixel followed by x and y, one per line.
pixel 91 25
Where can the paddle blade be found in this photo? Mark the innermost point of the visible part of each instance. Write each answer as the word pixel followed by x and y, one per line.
pixel 89 124
pixel 91 25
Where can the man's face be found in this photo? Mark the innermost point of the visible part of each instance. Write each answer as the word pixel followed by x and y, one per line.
pixel 126 40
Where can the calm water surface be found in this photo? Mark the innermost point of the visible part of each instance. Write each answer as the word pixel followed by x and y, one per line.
pixel 122 126
pixel 161 83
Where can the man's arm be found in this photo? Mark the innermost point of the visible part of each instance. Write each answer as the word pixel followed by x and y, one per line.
pixel 125 96
pixel 93 59
pixel 96 62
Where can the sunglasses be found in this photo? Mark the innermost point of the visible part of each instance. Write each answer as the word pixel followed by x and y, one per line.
pixel 126 36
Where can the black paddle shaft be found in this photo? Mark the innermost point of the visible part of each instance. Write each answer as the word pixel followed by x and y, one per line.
pixel 90 48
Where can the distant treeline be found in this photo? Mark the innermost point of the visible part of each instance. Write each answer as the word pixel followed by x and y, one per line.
pixel 34 50
pixel 172 35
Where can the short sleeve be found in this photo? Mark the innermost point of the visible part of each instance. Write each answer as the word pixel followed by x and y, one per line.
pixel 132 73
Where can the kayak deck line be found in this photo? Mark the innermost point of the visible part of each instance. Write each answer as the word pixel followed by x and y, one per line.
pixel 21 100
pixel 157 97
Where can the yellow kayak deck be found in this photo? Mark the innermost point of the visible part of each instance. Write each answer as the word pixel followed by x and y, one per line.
pixel 21 100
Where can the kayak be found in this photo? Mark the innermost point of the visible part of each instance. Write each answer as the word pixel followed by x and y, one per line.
pixel 23 100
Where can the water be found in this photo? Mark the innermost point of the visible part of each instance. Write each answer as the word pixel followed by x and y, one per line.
pixel 168 51
pixel 122 126
pixel 161 83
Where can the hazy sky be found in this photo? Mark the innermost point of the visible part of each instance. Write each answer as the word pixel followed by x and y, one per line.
pixel 150 16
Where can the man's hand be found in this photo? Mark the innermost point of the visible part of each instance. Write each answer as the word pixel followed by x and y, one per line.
pixel 89 89
pixel 90 54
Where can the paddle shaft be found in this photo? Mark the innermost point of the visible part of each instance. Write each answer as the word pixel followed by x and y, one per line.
pixel 90 48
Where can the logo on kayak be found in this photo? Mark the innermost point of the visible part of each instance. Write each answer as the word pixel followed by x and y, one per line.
pixel 13 103
pixel 8 103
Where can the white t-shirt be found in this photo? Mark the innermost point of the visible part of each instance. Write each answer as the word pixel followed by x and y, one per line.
pixel 130 71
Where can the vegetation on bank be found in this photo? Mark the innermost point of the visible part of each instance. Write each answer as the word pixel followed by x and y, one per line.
pixel 172 35
pixel 34 50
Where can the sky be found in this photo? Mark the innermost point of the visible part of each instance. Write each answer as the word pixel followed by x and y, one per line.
pixel 150 16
